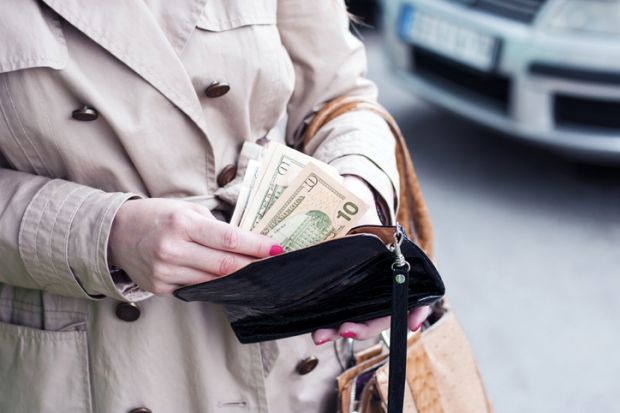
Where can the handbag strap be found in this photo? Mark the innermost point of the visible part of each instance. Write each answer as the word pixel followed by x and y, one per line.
pixel 398 327
pixel 412 212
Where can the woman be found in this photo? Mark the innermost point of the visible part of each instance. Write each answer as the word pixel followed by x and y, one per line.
pixel 114 115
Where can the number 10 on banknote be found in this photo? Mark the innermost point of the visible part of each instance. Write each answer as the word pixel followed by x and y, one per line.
pixel 315 207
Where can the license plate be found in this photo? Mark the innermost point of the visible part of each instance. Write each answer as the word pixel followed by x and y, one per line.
pixel 469 46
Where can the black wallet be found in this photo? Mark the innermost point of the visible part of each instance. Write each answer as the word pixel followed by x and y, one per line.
pixel 321 286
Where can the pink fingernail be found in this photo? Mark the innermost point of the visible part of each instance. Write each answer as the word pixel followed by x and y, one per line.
pixel 321 342
pixel 276 250
pixel 418 326
pixel 348 334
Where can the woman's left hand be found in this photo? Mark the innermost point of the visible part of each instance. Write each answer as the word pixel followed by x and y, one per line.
pixel 371 328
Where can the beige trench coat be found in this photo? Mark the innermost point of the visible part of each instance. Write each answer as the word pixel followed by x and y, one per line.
pixel 143 67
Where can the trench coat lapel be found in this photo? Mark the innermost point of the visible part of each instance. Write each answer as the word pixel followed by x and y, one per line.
pixel 147 51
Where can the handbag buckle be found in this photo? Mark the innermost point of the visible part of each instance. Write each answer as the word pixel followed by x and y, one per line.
pixel 399 258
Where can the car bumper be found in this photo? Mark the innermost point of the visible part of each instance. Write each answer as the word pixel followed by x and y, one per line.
pixel 557 89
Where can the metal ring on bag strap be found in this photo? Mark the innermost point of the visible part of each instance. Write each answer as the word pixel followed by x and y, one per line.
pixel 412 212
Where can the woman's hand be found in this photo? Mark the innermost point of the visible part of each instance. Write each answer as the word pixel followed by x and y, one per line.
pixel 371 328
pixel 164 244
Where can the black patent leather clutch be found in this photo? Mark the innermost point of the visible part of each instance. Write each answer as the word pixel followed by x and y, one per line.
pixel 345 279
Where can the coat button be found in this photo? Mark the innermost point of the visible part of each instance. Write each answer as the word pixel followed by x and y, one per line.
pixel 306 365
pixel 217 89
pixel 226 175
pixel 141 410
pixel 128 311
pixel 85 113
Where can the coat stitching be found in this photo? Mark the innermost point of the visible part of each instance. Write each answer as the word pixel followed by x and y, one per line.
pixel 29 307
pixel 79 201
pixel 58 213
pixel 85 371
pixel 77 207
pixel 7 329
pixel 26 232
pixel 103 274
pixel 25 134
pixel 9 65
pixel 37 260
pixel 11 130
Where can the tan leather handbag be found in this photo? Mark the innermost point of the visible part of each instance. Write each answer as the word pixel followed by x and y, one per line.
pixel 441 375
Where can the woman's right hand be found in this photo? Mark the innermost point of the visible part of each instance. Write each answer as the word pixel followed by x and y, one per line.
pixel 163 244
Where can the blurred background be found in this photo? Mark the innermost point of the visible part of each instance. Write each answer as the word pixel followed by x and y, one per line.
pixel 511 109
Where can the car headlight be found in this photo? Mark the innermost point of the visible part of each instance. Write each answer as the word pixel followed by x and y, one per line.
pixel 591 16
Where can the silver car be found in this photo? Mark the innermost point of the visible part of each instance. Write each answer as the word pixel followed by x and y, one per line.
pixel 544 70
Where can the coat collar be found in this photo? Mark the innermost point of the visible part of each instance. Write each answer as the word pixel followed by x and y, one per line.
pixel 131 32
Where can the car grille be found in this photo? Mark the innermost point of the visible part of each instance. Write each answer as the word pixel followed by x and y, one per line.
pixel 520 10
pixel 490 88
pixel 576 112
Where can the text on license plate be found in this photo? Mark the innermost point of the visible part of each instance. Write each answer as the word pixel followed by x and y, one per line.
pixel 462 44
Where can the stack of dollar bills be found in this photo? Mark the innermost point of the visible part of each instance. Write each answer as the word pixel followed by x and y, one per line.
pixel 295 199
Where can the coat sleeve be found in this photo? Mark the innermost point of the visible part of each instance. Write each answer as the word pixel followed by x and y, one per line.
pixel 54 234
pixel 330 61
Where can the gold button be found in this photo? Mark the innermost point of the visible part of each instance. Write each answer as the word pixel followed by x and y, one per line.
pixel 306 365
pixel 226 175
pixel 217 89
pixel 128 311
pixel 85 113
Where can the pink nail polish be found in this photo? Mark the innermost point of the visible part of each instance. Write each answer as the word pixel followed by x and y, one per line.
pixel 276 250
pixel 321 342
pixel 418 326
pixel 348 334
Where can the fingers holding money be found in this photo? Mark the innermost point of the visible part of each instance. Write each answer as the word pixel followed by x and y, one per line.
pixel 225 237
pixel 211 261
pixel 188 263
pixel 162 244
